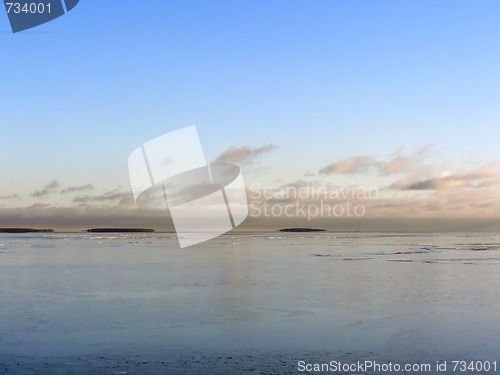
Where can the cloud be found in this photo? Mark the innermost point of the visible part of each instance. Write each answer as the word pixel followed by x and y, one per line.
pixel 37 206
pixel 244 154
pixel 73 189
pixel 411 163
pixel 47 190
pixel 480 178
pixel 437 183
pixel 489 183
pixel 111 196
pixel 354 164
pixel 398 164
pixel 10 197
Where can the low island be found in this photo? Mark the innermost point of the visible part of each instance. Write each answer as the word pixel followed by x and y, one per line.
pixel 119 230
pixel 24 230
pixel 301 230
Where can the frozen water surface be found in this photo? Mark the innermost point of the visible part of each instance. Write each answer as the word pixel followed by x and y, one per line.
pixel 389 297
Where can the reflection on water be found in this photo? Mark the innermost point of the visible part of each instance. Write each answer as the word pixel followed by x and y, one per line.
pixel 414 296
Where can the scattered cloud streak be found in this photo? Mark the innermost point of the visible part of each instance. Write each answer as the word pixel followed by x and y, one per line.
pixel 38 206
pixel 480 178
pixel 244 154
pixel 354 164
pixel 49 189
pixel 115 196
pixel 397 164
pixel 404 164
pixel 10 197
pixel 77 189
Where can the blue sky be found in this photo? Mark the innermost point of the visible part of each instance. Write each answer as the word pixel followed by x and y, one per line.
pixel 323 81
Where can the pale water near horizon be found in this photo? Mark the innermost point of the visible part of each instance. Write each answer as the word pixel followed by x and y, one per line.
pixel 406 297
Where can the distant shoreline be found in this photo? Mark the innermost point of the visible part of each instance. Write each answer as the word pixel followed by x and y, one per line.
pixel 25 230
pixel 301 230
pixel 120 230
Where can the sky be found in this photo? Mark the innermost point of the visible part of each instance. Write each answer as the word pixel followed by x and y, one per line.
pixel 401 97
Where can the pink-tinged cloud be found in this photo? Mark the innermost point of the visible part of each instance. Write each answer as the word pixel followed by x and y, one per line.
pixel 411 163
pixel 244 154
pixel 355 164
pixel 398 164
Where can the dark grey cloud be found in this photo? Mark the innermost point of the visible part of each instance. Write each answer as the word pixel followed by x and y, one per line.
pixel 115 196
pixel 37 206
pixel 46 190
pixel 10 197
pixel 482 177
pixel 76 189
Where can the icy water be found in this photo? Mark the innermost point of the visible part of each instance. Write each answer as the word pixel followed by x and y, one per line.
pixel 255 303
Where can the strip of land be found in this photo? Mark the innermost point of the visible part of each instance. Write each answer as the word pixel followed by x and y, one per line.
pixel 119 230
pixel 301 230
pixel 24 230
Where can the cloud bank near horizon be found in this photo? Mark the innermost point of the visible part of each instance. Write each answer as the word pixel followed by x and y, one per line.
pixel 417 184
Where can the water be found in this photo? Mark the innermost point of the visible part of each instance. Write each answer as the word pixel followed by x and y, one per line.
pixel 412 297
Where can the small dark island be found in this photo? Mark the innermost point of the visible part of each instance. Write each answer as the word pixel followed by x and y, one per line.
pixel 25 230
pixel 120 230
pixel 301 230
